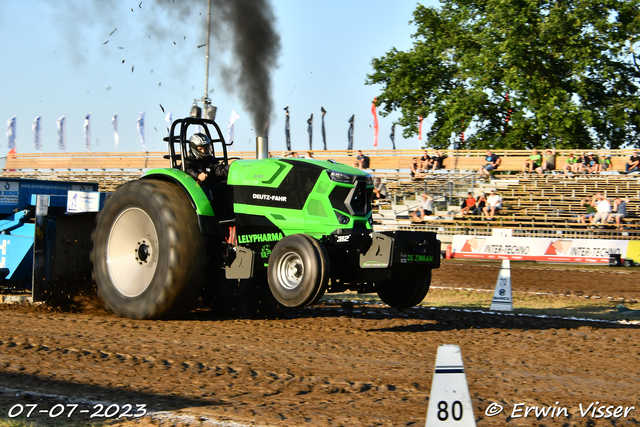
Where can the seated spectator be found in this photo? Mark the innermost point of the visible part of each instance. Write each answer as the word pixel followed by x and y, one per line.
pixel 468 204
pixel 424 208
pixel 379 190
pixel 571 165
pixel 480 204
pixel 494 204
pixel 533 163
pixel 603 209
pixel 549 163
pixel 633 165
pixel 493 161
pixel 362 161
pixel 437 161
pixel 619 211
pixel 604 163
pixel 582 163
pixel 592 165
pixel 589 204
pixel 416 171
pixel 425 162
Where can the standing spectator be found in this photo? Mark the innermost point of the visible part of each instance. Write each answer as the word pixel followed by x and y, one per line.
pixel 438 161
pixel 379 190
pixel 425 161
pixel 549 163
pixel 589 204
pixel 633 165
pixel 494 204
pixel 424 208
pixel 620 209
pixel 571 165
pixel 533 163
pixel 603 209
pixel 493 161
pixel 469 203
pixel 416 171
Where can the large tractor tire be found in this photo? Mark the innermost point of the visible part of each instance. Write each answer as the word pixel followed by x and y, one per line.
pixel 298 271
pixel 148 254
pixel 403 294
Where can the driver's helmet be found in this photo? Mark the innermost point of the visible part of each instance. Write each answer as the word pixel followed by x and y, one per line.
pixel 199 140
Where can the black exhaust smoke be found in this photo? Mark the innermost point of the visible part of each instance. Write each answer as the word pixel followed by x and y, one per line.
pixel 256 46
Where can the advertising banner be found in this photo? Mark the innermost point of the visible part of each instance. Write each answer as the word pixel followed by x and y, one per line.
pixel 537 249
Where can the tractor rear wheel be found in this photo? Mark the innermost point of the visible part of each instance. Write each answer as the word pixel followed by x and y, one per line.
pixel 148 253
pixel 403 294
pixel 298 271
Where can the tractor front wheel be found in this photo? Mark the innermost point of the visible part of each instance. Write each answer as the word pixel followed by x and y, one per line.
pixel 148 252
pixel 298 271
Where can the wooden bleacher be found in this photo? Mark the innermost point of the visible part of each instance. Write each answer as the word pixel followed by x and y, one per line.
pixel 535 203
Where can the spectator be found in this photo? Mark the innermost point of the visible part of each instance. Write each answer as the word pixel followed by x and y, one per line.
pixel 582 163
pixel 468 204
pixel 592 164
pixel 604 163
pixel 438 161
pixel 603 209
pixel 589 204
pixel 571 165
pixel 633 165
pixel 361 161
pixel 425 162
pixel 620 209
pixel 310 154
pixel 416 171
pixel 549 163
pixel 533 163
pixel 493 161
pixel 480 204
pixel 379 190
pixel 424 208
pixel 494 204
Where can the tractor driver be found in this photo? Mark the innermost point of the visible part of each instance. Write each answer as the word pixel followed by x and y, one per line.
pixel 202 165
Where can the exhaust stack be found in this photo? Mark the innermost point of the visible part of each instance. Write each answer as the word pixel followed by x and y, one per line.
pixel 262 147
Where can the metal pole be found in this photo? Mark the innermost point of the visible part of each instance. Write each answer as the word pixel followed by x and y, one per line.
pixel 206 69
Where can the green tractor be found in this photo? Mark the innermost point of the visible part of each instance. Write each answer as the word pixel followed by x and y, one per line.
pixel 265 234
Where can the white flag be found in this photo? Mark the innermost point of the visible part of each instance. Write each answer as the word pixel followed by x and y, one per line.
pixel 62 137
pixel 114 122
pixel 140 126
pixel 169 120
pixel 11 133
pixel 232 120
pixel 36 134
pixel 87 132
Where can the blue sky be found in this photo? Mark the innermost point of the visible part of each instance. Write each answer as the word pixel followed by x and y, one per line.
pixel 55 62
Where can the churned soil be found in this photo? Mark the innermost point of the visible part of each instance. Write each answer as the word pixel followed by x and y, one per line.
pixel 335 364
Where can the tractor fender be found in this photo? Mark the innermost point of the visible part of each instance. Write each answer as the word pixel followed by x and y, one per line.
pixel 197 197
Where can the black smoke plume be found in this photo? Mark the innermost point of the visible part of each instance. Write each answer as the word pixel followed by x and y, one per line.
pixel 256 47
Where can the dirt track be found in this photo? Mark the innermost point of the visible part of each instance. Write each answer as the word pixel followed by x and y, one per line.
pixel 330 366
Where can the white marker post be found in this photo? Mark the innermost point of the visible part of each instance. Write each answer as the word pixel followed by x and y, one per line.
pixel 502 300
pixel 449 401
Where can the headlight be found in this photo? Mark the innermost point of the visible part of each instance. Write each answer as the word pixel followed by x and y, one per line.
pixel 369 180
pixel 340 177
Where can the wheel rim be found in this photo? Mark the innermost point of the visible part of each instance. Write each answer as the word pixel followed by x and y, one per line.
pixel 290 270
pixel 132 252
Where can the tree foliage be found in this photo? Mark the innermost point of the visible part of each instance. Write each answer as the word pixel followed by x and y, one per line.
pixel 566 70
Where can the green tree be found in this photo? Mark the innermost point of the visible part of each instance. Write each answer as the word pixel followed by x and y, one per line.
pixel 565 69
